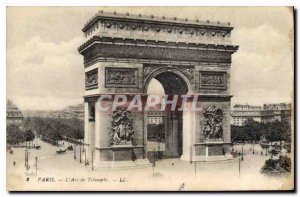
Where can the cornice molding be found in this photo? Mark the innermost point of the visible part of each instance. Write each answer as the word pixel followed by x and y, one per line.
pixel 106 48
pixel 145 19
pixel 155 43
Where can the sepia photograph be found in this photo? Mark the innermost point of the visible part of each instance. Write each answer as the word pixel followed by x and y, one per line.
pixel 150 98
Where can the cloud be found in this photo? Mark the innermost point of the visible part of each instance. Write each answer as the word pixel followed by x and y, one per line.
pixel 43 63
pixel 262 69
pixel 40 70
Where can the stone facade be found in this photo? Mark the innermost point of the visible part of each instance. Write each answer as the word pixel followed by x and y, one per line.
pixel 266 113
pixel 13 114
pixel 186 57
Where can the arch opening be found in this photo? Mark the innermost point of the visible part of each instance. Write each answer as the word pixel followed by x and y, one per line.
pixel 165 128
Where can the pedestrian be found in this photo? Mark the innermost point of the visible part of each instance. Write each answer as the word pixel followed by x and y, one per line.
pixel 14 163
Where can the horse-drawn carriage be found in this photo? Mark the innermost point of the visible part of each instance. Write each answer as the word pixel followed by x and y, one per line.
pixel 70 148
pixel 60 152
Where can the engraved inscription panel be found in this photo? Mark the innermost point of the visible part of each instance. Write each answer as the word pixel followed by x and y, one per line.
pixel 216 80
pixel 91 79
pixel 121 77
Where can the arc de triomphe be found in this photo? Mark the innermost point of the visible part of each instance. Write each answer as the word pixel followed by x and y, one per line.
pixel 123 52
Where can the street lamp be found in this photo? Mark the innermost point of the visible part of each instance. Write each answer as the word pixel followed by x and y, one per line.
pixel 74 151
pixel 36 161
pixel 239 166
pixel 85 163
pixel 80 152
pixel 243 151
pixel 92 160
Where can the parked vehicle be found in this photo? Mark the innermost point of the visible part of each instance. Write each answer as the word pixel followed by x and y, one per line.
pixel 60 152
pixel 264 144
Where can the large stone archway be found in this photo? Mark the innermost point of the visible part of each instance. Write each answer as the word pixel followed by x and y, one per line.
pixel 174 82
pixel 124 52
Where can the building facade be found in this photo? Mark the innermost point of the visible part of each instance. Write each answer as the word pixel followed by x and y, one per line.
pixel 13 114
pixel 155 117
pixel 124 52
pixel 266 113
pixel 76 111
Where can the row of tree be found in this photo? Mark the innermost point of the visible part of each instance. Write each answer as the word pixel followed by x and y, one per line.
pixel 253 131
pixel 55 129
pixel 15 136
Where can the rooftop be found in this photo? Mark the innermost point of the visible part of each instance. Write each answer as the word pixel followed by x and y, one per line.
pixel 152 19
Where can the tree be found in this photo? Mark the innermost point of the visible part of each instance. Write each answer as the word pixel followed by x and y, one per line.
pixel 54 129
pixel 277 166
pixel 14 135
pixel 253 130
pixel 29 136
pixel 238 134
pixel 277 131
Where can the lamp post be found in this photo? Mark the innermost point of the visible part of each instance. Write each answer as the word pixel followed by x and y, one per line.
pixel 80 152
pixel 25 157
pixel 85 158
pixel 36 163
pixel 83 150
pixel 239 166
pixel 74 151
pixel 243 151
pixel 92 160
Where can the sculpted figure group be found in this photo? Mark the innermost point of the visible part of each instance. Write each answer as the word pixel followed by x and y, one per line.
pixel 122 128
pixel 213 117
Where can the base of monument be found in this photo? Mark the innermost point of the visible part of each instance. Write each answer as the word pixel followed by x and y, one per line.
pixel 206 158
pixel 124 164
pixel 213 158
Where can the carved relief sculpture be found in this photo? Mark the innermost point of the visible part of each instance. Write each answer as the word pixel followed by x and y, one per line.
pixel 212 128
pixel 213 80
pixel 121 77
pixel 91 79
pixel 122 128
pixel 188 71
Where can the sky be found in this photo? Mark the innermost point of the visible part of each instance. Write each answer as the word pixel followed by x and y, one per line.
pixel 45 71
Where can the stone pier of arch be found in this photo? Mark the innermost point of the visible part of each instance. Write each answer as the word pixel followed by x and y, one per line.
pixel 121 56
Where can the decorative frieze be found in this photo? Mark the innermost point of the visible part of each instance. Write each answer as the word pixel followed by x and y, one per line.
pixel 121 77
pixel 213 80
pixel 151 26
pixel 132 50
pixel 213 127
pixel 91 79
